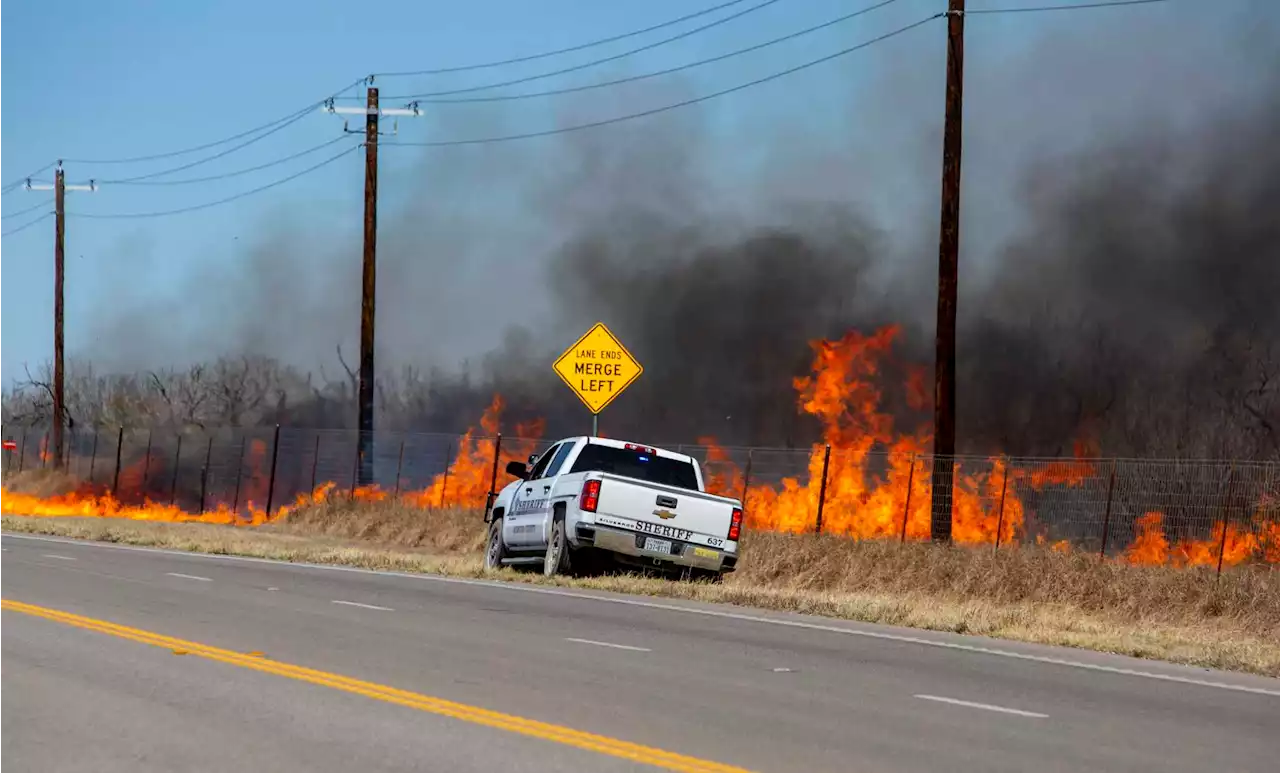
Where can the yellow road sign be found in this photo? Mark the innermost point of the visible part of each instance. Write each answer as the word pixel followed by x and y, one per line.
pixel 597 368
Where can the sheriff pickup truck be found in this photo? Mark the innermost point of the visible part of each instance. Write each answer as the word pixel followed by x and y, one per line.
pixel 587 501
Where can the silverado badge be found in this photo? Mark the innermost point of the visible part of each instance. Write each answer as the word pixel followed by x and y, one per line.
pixel 665 515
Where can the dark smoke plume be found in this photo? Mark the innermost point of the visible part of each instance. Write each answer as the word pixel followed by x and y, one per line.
pixel 1121 262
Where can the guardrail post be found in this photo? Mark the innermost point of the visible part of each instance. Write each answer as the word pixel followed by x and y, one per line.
pixel 271 482
pixel 1004 488
pixel 1106 517
pixel 22 449
pixel 493 478
pixel 906 505
pixel 822 490
pixel 204 473
pixel 177 459
pixel 115 480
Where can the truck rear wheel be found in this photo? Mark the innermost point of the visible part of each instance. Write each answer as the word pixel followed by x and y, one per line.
pixel 494 550
pixel 557 558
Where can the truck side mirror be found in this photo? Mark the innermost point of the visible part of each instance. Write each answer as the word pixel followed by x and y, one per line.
pixel 518 469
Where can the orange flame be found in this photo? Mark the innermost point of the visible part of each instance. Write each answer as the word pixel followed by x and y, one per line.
pixel 878 479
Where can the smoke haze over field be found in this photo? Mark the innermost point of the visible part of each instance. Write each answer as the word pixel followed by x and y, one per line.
pixel 1120 264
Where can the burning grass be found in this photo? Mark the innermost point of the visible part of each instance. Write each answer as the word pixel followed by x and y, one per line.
pixel 1028 593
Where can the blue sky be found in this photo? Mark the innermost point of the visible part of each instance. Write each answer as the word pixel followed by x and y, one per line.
pixel 92 80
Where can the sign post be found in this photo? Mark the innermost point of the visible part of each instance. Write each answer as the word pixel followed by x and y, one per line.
pixel 597 368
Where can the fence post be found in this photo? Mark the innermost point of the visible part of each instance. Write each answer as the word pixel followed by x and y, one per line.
pixel 93 456
pixel 1226 513
pixel 146 465
pixel 22 449
pixel 746 484
pixel 822 491
pixel 204 473
pixel 1004 488
pixel 115 480
pixel 271 482
pixel 1106 516
pixel 493 478
pixel 177 459
pixel 906 505
pixel 235 500
pixel 355 467
pixel 315 461
pixel 399 466
pixel 448 464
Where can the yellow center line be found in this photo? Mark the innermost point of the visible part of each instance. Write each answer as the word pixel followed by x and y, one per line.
pixel 467 713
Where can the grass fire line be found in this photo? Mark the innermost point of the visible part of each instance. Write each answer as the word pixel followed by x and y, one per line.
pixel 857 502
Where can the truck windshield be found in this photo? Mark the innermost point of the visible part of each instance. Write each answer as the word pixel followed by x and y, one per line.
pixel 636 464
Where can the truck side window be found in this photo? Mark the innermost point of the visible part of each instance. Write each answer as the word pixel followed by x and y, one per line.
pixel 558 461
pixel 542 462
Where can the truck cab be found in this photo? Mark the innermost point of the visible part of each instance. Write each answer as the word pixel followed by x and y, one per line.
pixel 587 501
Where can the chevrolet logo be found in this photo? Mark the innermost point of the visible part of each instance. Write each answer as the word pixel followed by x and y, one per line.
pixel 665 515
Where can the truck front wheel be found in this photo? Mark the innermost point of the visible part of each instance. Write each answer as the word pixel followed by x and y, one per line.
pixel 494 550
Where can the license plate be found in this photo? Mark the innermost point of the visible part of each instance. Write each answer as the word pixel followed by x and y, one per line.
pixel 654 545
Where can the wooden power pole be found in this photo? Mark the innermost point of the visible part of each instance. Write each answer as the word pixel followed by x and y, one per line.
pixel 944 368
pixel 58 388
pixel 59 261
pixel 368 289
pixel 369 273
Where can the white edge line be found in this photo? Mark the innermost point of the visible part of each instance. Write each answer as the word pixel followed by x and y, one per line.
pixel 58 557
pixel 362 606
pixel 1274 692
pixel 610 644
pixel 983 706
pixel 188 576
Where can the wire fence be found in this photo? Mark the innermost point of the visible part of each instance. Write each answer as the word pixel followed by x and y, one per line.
pixel 1181 512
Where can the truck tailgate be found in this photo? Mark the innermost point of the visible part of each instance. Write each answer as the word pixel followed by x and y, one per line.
pixel 667 512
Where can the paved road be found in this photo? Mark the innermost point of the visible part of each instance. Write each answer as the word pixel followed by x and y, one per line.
pixel 762 691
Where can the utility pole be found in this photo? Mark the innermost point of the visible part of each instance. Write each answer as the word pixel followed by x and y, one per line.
pixel 944 368
pixel 369 274
pixel 60 189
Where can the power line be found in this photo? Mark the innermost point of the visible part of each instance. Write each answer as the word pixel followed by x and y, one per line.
pixel 13 186
pixel 216 143
pixel 559 51
pixel 238 172
pixel 1067 7
pixel 670 70
pixel 673 106
pixel 25 226
pixel 593 63
pixel 227 200
pixel 31 208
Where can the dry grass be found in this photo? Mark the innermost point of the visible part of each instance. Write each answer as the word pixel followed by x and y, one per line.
pixel 1028 594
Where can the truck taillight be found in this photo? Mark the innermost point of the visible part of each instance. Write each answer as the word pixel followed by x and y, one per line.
pixel 590 496
pixel 735 525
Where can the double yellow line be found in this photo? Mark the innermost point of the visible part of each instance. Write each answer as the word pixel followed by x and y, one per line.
pixel 543 730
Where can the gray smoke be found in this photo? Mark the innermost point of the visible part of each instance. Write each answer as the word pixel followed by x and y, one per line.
pixel 1120 258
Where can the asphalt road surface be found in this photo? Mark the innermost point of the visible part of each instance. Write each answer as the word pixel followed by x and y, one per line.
pixel 121 659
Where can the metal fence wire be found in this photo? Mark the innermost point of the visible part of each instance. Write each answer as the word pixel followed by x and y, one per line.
pixel 1144 511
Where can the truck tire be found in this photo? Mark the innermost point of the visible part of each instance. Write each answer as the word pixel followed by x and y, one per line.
pixel 557 561
pixel 494 550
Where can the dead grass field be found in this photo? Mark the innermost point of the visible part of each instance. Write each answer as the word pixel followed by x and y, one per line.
pixel 1022 593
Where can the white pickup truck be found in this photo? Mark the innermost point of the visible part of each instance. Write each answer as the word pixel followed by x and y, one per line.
pixel 586 499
